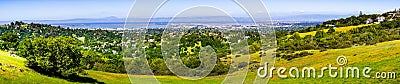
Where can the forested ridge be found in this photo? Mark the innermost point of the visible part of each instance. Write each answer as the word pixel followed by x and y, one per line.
pixel 292 44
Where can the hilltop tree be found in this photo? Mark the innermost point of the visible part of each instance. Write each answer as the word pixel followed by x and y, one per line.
pixel 331 30
pixel 12 24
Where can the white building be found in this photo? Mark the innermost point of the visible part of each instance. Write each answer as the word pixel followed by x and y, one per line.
pixel 380 19
pixel 369 21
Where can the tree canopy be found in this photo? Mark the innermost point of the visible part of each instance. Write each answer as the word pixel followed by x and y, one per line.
pixel 58 56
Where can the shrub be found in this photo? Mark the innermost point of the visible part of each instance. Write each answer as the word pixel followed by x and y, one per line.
pixel 8 40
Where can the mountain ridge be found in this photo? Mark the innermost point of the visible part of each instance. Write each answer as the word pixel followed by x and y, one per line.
pixel 111 19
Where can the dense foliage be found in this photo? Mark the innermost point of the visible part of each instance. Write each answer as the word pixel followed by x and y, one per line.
pixel 351 21
pixel 290 42
pixel 102 46
pixel 189 49
pixel 9 40
pixel 56 56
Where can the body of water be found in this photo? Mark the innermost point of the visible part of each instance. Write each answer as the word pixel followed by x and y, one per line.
pixel 112 25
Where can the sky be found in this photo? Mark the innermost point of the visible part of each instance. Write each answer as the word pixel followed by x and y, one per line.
pixel 70 9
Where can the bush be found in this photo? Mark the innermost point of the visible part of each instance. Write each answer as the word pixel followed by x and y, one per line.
pixel 8 40
pixel 58 56
pixel 113 66
pixel 89 58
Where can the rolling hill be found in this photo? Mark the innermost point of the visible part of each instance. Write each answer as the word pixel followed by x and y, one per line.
pixel 381 57
pixel 338 29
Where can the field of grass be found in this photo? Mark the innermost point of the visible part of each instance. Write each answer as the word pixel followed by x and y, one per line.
pixel 338 29
pixel 382 57
pixel 13 70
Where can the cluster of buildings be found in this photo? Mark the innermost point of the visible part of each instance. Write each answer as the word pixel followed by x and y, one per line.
pixel 376 21
pixel 218 26
pixel 389 16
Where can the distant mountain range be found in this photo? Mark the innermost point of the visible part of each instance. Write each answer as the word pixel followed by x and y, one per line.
pixel 112 19
pixel 309 17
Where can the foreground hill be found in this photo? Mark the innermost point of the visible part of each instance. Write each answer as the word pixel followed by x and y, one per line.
pixel 382 57
pixel 13 71
pixel 339 29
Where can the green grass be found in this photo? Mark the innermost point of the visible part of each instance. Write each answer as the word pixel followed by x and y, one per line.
pixel 109 78
pixel 27 76
pixel 381 57
pixel 339 29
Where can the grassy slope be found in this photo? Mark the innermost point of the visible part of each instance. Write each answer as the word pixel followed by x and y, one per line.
pixel 339 29
pixel 14 75
pixel 381 57
pixel 28 76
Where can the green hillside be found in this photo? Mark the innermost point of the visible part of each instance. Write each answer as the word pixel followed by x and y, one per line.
pixel 381 57
pixel 338 29
pixel 13 71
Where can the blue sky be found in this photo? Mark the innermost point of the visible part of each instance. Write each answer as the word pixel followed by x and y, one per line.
pixel 69 9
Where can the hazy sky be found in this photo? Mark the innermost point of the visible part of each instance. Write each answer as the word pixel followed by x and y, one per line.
pixel 69 9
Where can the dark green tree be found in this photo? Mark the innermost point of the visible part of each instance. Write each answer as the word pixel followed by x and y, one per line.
pixel 331 30
pixel 12 24
pixel 319 34
pixel 8 40
pixel 58 56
